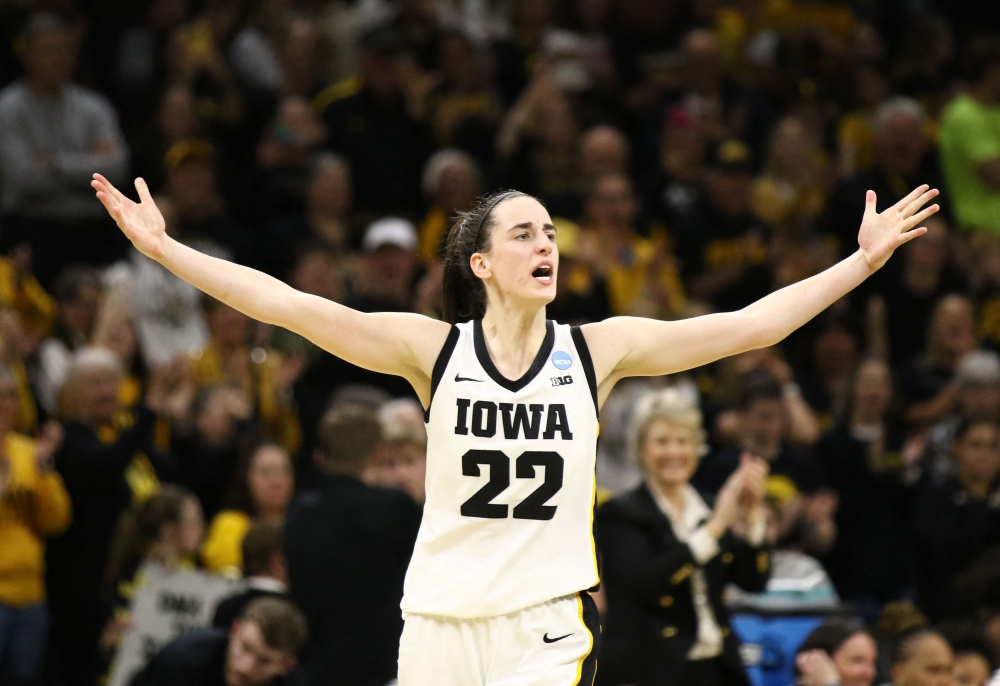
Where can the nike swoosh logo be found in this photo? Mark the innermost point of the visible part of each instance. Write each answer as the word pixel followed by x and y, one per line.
pixel 546 638
pixel 463 378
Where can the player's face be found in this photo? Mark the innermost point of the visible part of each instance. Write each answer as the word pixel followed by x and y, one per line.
pixel 251 661
pixel 669 453
pixel 522 261
pixel 855 661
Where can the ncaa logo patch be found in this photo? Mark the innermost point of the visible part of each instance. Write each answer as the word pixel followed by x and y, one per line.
pixel 561 360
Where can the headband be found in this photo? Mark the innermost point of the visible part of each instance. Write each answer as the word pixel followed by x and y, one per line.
pixel 489 208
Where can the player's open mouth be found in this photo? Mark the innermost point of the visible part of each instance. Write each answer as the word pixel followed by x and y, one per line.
pixel 543 274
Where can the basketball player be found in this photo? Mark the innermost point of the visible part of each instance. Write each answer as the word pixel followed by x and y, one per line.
pixel 495 594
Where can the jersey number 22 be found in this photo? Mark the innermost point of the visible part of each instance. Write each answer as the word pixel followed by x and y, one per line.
pixel 532 507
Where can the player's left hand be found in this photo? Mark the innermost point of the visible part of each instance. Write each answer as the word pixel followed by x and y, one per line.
pixel 881 234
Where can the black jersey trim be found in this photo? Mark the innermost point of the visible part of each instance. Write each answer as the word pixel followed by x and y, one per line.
pixel 440 364
pixel 487 362
pixel 588 364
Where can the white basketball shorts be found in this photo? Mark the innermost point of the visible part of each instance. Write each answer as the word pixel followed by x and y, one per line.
pixel 551 644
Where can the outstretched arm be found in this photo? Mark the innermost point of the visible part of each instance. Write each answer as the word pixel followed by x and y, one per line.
pixel 389 342
pixel 631 346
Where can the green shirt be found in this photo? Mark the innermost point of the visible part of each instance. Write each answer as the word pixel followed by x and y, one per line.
pixel 970 135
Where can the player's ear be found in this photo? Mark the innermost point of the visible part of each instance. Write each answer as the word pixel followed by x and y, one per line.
pixel 480 265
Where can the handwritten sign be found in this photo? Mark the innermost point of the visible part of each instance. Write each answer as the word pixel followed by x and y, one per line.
pixel 168 603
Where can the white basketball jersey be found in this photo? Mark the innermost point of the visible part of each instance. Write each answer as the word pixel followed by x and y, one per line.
pixel 508 521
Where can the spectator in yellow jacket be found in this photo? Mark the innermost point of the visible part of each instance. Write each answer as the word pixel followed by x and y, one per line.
pixel 33 505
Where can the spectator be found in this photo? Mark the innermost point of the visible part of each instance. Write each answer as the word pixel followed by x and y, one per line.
pixel 20 291
pixel 667 557
pixel 175 119
pixel 166 531
pixel 262 489
pixel 348 546
pixel 970 143
pixel 34 505
pixel 261 375
pixel 400 461
pixel 722 246
pixel 368 123
pixel 926 383
pixel 911 294
pixel 959 519
pixel 78 295
pixel 903 156
pixel 451 183
pixel 265 572
pixel 385 273
pixel 977 396
pixel 973 662
pixel 108 461
pixel 261 649
pixel 641 275
pixel 922 658
pixel 838 651
pixel 55 134
pixel 871 467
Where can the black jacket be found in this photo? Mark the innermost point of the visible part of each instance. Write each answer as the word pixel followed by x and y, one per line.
pixel 198 658
pixel 650 623
pixel 348 546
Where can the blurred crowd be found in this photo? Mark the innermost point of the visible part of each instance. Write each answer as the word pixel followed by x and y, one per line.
pixel 695 155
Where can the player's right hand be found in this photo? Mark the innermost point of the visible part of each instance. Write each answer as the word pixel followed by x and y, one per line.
pixel 141 222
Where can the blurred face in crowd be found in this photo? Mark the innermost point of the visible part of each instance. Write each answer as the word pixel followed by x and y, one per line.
pixel 229 327
pixel 971 669
pixel 603 150
pixel 669 452
pixel 458 186
pixel 901 145
pixel 50 59
pixel 855 660
pixel 522 243
pixel 458 63
pixel 790 148
pixel 929 663
pixel 613 204
pixel 177 118
pixel 928 254
pixel 977 453
pixel 701 61
pixel 730 191
pixel 94 394
pixel 834 351
pixel 382 71
pixel 953 327
pixel 270 480
pixel 399 464
pixel 316 273
pixel 388 273
pixel 191 185
pixel 78 313
pixel 979 400
pixel 872 391
pixel 8 404
pixel 330 191
pixel 763 426
pixel 186 534
pixel 250 660
pixel 558 127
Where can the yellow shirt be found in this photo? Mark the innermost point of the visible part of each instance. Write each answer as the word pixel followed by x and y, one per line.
pixel 277 415
pixel 36 308
pixel 222 550
pixel 640 285
pixel 33 506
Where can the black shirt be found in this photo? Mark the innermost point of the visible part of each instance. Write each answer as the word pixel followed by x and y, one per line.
pixel 796 465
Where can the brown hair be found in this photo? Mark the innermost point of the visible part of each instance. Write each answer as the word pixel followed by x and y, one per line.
pixel 280 622
pixel 348 434
pixel 263 540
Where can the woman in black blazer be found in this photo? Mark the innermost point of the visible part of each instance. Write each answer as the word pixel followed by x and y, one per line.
pixel 667 557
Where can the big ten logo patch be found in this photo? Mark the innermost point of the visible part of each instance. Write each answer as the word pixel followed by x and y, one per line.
pixel 561 381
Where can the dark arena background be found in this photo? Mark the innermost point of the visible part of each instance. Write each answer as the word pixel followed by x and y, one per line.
pixel 189 497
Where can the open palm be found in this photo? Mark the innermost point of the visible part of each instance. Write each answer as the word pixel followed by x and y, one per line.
pixel 881 234
pixel 141 222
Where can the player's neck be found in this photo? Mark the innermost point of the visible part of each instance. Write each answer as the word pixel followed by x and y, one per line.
pixel 513 338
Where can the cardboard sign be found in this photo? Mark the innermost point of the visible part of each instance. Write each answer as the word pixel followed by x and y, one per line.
pixel 168 603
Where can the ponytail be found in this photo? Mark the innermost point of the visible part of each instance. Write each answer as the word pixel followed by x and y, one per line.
pixel 464 292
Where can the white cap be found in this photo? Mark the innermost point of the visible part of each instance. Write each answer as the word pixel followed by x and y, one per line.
pixel 390 231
